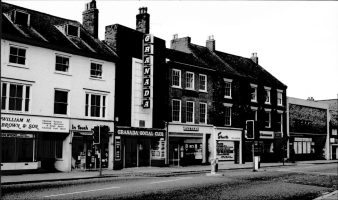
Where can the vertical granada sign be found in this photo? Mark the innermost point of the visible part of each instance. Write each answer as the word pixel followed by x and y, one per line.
pixel 148 53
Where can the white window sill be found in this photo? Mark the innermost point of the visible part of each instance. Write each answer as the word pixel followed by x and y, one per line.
pixel 178 87
pixel 60 115
pixel 191 89
pixel 62 73
pixel 204 91
pixel 268 103
pixel 227 97
pixel 96 79
pixel 254 101
pixel 15 111
pixel 17 65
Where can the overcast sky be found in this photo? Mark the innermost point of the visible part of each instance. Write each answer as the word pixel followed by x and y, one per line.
pixel 297 42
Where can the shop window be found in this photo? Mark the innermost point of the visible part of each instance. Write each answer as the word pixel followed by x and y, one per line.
pixel 227 114
pixel 17 55
pixel 176 78
pixel 58 148
pixel 189 80
pixel 95 105
pixel 203 82
pixel 17 147
pixel 62 63
pixel 176 110
pixel 303 146
pixel 95 70
pixel 190 112
pixel 203 113
pixel 60 102
pixel 15 97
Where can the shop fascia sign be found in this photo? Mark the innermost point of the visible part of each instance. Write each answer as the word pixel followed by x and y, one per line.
pixel 148 63
pixel 190 128
pixel 140 132
pixel 33 123
pixel 85 125
pixel 266 134
pixel 228 136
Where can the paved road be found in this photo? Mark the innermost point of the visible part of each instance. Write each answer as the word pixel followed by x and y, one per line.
pixel 272 183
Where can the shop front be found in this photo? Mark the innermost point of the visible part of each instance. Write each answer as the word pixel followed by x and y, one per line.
pixel 32 142
pixel 85 154
pixel 228 145
pixel 136 147
pixel 307 146
pixel 189 144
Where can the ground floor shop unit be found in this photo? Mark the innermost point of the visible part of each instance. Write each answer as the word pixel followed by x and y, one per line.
pixel 136 147
pixel 228 145
pixel 190 144
pixel 307 146
pixel 34 142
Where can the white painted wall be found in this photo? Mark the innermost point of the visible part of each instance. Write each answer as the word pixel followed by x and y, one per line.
pixel 40 69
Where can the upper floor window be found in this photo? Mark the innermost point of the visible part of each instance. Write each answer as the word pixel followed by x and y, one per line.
pixel 95 105
pixel 267 118
pixel 62 63
pixel 227 88
pixel 203 82
pixel 267 95
pixel 227 116
pixel 17 55
pixel 60 102
pixel 253 114
pixel 72 30
pixel 189 80
pixel 279 98
pixel 190 112
pixel 203 113
pixel 176 78
pixel 15 97
pixel 253 93
pixel 95 70
pixel 176 110
pixel 279 122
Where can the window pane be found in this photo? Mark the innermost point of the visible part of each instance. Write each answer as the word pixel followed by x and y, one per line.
pixel 190 112
pixel 227 116
pixel 61 102
pixel 22 53
pixel 176 110
pixel 13 51
pixel 3 96
pixel 203 113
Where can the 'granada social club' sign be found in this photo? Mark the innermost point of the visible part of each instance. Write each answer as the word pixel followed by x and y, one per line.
pixel 148 52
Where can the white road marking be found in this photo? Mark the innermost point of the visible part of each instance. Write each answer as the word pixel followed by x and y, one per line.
pixel 63 194
pixel 170 180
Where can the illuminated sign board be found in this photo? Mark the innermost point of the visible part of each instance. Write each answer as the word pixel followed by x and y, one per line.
pixel 148 59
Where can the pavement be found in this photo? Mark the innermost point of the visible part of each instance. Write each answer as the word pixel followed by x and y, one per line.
pixel 148 171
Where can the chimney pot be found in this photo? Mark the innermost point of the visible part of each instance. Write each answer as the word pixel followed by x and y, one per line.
pixel 210 44
pixel 175 36
pixel 254 58
pixel 90 18
pixel 142 20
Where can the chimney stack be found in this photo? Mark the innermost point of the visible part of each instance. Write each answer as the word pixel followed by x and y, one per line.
pixel 180 44
pixel 90 18
pixel 254 58
pixel 210 44
pixel 142 20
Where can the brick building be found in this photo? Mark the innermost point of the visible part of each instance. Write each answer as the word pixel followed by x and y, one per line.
pixel 241 90
pixel 308 129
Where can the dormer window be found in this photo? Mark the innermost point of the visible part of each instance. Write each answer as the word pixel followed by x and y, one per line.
pixel 21 17
pixel 72 30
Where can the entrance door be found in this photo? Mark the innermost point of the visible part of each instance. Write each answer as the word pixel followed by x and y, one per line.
pixel 130 156
pixel 144 152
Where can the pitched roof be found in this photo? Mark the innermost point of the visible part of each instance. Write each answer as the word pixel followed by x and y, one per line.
pixel 184 58
pixel 230 65
pixel 47 31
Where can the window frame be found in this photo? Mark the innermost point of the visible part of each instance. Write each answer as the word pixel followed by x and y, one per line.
pixel 267 111
pixel 253 86
pixel 73 26
pixel 179 78
pixel 192 87
pixel 268 95
pixel 227 110
pixel 205 112
pixel 280 92
pixel 17 56
pixel 67 103
pixel 205 82
pixel 95 70
pixel 179 111
pixel 56 64
pixel 192 113
pixel 25 100
pixel 227 82
pixel 102 105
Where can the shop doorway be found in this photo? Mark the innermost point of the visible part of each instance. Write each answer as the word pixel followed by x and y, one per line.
pixel 137 152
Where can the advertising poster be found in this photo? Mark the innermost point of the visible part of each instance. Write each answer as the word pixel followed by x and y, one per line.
pixel 225 150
